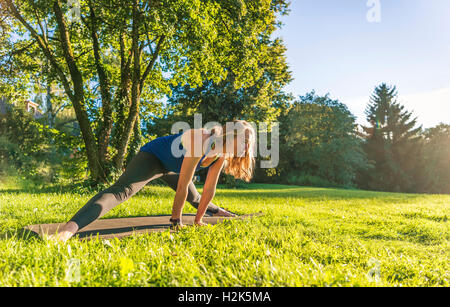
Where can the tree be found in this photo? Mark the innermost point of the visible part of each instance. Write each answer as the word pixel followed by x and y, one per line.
pixel 318 143
pixel 435 164
pixel 122 57
pixel 392 143
pixel 34 150
pixel 223 101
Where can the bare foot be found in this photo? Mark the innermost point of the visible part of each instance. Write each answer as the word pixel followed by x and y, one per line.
pixel 60 236
pixel 225 213
pixel 65 232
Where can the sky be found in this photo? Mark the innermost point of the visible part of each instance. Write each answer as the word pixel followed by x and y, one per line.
pixel 348 47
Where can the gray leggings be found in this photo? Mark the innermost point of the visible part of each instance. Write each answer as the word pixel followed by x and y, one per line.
pixel 142 169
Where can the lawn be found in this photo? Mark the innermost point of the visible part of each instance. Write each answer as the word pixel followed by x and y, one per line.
pixel 307 237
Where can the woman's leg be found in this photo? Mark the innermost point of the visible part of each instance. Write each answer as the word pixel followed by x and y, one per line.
pixel 143 168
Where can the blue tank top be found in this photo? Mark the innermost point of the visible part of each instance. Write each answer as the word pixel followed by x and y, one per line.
pixel 162 148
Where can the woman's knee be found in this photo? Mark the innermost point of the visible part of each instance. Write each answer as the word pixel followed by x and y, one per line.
pixel 121 191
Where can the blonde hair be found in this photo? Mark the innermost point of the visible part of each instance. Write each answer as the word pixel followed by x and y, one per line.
pixel 238 166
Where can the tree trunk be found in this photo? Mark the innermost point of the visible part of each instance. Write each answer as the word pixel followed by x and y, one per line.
pixel 97 171
pixel 135 91
pixel 122 98
pixel 106 124
pixel 135 143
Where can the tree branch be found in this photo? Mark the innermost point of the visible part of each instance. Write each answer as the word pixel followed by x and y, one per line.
pixel 18 51
pixel 98 172
pixel 60 108
pixel 106 125
pixel 43 45
pixel 39 22
pixel 152 61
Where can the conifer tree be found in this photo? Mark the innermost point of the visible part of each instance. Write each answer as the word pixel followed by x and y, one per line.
pixel 392 143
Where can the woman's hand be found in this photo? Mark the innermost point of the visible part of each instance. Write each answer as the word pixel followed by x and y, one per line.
pixel 176 224
pixel 177 227
pixel 199 223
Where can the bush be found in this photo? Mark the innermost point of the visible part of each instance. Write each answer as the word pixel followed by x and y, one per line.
pixel 232 183
pixel 309 180
pixel 36 152
pixel 318 137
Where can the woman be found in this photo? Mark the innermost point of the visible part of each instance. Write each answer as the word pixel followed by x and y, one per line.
pixel 220 148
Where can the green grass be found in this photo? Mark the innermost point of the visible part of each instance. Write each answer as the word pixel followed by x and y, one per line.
pixel 307 237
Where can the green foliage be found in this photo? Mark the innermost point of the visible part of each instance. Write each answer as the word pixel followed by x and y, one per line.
pixel 119 59
pixel 434 174
pixel 308 180
pixel 223 101
pixel 392 143
pixel 232 183
pixel 265 175
pixel 306 237
pixel 37 152
pixel 318 140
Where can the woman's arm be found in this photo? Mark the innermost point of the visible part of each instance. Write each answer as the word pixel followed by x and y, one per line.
pixel 209 189
pixel 187 171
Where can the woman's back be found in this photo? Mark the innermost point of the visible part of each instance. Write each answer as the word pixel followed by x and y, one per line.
pixel 170 151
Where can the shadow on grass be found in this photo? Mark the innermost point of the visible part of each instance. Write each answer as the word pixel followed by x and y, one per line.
pixel 76 188
pixel 250 192
pixel 71 188
pixel 20 234
pixel 311 193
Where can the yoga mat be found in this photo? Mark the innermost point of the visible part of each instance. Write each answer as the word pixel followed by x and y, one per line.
pixel 123 227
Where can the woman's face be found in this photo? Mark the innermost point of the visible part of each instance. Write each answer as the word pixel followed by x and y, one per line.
pixel 233 143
